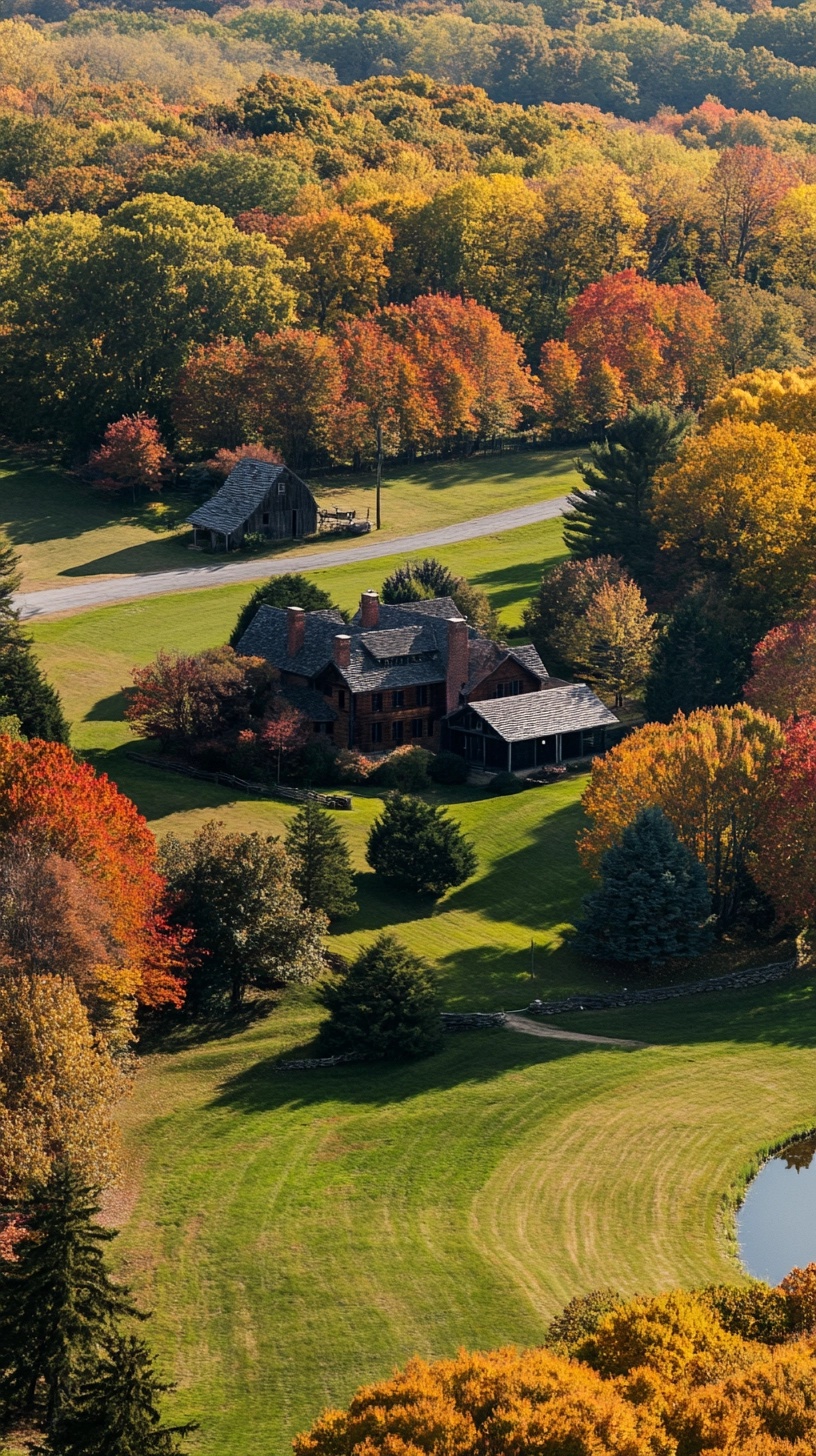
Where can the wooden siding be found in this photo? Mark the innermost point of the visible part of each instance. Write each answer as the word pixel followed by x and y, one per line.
pixel 286 514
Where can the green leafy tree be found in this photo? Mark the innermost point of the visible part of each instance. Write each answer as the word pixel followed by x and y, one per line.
pixel 289 590
pixel 615 641
pixel 611 517
pixel 418 580
pixel 25 694
pixel 115 1410
pixel 653 901
pixel 322 870
pixel 164 275
pixel 417 845
pixel 554 616
pixel 702 658
pixel 384 1006
pixel 249 923
pixel 57 1300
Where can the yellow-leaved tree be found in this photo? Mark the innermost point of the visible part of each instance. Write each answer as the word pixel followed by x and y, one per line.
pixel 742 498
pixel 58 1082
pixel 782 397
pixel 712 774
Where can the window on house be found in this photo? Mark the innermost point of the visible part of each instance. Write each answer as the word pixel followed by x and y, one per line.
pixel 416 728
pixel 509 689
pixel 376 733
pixel 398 699
pixel 422 697
pixel 397 732
pixel 281 487
pixel 376 702
pixel 341 698
pixel 430 727
pixel 265 518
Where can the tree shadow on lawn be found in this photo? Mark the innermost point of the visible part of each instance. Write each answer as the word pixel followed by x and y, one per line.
pixel 474 1057
pixel 473 470
pixel 540 885
pixel 40 502
pixel 110 709
pixel 515 583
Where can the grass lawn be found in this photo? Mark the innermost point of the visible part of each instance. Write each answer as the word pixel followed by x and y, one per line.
pixel 300 1233
pixel 65 531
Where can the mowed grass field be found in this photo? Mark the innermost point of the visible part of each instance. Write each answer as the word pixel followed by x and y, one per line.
pixel 65 531
pixel 300 1233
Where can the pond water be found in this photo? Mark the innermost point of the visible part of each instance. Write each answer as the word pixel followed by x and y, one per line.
pixel 776 1226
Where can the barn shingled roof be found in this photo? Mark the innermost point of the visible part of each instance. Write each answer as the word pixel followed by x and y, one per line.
pixel 241 494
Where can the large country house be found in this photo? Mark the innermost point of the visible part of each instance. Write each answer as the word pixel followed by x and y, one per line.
pixel 417 673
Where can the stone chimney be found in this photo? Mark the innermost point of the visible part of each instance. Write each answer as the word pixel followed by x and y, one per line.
pixel 369 610
pixel 342 650
pixel 295 629
pixel 458 662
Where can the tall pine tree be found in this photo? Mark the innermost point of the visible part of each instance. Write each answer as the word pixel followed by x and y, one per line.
pixel 611 516
pixel 653 901
pixel 115 1410
pixel 322 866
pixel 703 656
pixel 57 1300
pixel 24 692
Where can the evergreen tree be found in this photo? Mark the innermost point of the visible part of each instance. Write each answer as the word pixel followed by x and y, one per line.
pixel 24 692
pixel 416 845
pixel 290 590
pixel 57 1300
pixel 115 1409
pixel 322 865
pixel 703 657
pixel 611 517
pixel 419 580
pixel 653 900
pixel 385 1005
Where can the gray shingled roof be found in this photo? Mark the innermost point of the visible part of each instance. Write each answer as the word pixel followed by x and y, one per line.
pixel 267 636
pixel 399 641
pixel 486 656
pixel 241 494
pixel 311 702
pixel 396 614
pixel 539 715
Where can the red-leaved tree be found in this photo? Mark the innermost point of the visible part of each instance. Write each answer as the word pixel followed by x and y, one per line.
pixel 80 815
pixel 132 454
pixel 785 865
pixel 284 733
pixel 783 679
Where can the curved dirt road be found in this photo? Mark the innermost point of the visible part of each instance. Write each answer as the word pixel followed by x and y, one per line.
pixel 87 594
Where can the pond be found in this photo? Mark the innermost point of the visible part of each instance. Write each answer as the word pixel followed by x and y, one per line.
pixel 776 1226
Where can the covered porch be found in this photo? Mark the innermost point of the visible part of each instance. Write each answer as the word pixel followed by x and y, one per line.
pixel 556 725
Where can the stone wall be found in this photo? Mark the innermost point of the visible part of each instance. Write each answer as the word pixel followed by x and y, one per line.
pixel 471 1020
pixel 735 981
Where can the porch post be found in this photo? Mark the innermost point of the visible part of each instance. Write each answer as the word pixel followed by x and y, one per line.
pixel 558 747
pixel 509 757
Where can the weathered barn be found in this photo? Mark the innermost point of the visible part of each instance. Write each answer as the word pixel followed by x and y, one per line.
pixel 256 497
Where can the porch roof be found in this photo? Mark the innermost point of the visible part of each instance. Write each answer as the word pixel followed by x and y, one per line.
pixel 563 709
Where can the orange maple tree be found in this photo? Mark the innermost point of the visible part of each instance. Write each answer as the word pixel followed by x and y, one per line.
pixel 82 816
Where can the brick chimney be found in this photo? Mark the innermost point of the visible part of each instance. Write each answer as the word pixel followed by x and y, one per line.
pixel 342 650
pixel 458 662
pixel 369 610
pixel 295 629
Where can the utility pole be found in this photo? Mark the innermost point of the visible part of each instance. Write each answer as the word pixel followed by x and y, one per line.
pixel 379 471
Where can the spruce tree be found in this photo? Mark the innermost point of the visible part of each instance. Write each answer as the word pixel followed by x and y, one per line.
pixel 611 517
pixel 416 845
pixel 322 865
pixel 57 1300
pixel 289 590
pixel 703 657
pixel 384 1006
pixel 24 692
pixel 115 1410
pixel 653 901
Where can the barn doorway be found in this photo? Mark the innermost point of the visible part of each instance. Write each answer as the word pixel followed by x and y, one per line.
pixel 295 523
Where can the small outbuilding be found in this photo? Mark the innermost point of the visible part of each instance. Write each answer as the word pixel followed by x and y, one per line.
pixel 256 498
